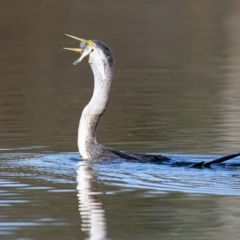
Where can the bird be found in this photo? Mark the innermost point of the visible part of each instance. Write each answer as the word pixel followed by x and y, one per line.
pixel 100 58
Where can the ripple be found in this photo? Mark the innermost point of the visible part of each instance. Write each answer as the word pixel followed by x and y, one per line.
pixel 165 178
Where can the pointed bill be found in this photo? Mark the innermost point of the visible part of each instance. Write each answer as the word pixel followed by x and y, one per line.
pixel 76 38
pixel 74 49
pixel 89 42
pixel 86 46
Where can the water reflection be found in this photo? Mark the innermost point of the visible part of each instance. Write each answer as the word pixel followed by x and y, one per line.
pixel 38 193
pixel 91 211
pixel 230 113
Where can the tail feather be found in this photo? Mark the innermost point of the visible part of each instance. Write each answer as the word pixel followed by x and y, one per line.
pixel 218 160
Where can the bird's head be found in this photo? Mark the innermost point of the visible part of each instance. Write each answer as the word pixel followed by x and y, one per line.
pixel 95 51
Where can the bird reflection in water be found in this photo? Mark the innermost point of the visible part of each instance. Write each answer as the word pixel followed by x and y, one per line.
pixel 92 214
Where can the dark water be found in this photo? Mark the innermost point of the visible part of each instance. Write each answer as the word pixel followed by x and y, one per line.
pixel 176 91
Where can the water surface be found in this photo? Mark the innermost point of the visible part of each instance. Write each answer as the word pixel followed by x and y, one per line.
pixel 175 91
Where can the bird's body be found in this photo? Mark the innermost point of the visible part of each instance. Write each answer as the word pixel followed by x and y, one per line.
pixel 102 64
pixel 101 60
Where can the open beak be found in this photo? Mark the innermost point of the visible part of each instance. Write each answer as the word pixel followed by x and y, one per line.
pixel 86 46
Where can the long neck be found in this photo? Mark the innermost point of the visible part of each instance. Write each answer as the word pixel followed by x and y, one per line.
pixel 92 112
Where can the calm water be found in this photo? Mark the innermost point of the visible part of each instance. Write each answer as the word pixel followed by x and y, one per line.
pixel 176 91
